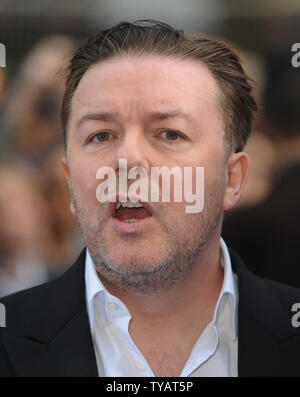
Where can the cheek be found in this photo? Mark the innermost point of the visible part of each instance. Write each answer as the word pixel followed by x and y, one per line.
pixel 215 172
pixel 215 190
pixel 175 218
pixel 84 182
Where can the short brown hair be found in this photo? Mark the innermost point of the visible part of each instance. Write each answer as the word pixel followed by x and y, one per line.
pixel 153 37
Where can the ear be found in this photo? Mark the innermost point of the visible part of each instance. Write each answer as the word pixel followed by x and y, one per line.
pixel 237 171
pixel 66 171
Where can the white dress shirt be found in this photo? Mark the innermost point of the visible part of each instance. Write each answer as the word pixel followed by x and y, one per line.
pixel 214 353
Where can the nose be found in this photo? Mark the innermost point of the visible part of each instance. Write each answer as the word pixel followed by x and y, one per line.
pixel 135 149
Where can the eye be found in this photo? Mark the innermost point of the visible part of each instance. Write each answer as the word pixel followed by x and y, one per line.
pixel 101 137
pixel 171 135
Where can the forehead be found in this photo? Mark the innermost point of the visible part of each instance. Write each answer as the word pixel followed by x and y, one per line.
pixel 136 84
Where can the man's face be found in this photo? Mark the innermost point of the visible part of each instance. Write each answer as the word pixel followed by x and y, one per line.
pixel 133 91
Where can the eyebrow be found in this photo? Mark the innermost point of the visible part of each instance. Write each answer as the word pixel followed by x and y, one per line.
pixel 101 116
pixel 112 116
pixel 170 114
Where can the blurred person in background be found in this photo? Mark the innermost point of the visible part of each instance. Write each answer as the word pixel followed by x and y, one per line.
pixel 31 131
pixel 32 109
pixel 65 241
pixel 267 235
pixel 23 229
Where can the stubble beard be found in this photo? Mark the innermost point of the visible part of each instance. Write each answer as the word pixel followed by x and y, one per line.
pixel 183 249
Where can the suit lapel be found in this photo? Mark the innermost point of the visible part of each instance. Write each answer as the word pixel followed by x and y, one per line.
pixel 263 325
pixel 58 342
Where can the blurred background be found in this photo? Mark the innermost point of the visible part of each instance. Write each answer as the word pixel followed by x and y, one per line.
pixel 39 238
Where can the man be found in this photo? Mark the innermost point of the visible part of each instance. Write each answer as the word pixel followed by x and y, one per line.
pixel 156 292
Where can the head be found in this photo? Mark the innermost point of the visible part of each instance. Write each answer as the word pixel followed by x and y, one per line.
pixel 34 97
pixel 146 93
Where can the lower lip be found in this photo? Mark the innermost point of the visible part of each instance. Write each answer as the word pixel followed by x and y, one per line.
pixel 130 227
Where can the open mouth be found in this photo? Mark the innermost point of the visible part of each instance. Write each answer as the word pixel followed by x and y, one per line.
pixel 130 212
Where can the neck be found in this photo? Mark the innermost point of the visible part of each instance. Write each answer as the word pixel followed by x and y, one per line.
pixel 195 295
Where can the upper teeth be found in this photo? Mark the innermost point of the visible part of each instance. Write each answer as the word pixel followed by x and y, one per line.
pixel 129 204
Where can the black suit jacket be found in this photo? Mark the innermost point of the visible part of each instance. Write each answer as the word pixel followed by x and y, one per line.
pixel 47 330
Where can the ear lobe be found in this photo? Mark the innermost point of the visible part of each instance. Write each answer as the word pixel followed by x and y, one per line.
pixel 237 171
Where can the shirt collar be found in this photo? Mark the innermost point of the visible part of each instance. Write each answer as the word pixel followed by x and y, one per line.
pixel 229 287
pixel 93 285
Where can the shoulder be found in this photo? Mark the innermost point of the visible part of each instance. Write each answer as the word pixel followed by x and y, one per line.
pixel 270 302
pixel 26 304
pixel 248 279
pixel 288 296
pixel 33 310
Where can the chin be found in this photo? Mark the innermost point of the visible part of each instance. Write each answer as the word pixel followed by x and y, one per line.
pixel 138 259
